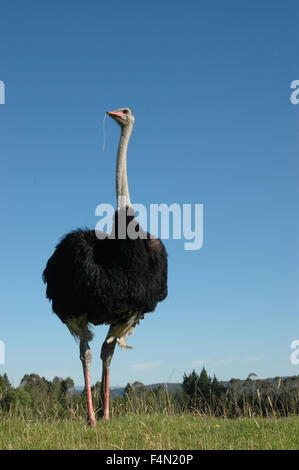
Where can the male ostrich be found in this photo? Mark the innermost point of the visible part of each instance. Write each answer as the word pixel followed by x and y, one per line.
pixel 114 279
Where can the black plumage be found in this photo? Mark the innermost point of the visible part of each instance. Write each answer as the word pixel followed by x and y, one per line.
pixel 108 278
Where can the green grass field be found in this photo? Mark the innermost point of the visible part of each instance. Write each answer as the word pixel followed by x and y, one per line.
pixel 154 432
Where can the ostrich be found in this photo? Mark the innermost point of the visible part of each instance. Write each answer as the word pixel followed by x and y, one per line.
pixel 96 278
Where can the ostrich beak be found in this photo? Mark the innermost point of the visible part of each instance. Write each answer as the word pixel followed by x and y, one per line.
pixel 114 113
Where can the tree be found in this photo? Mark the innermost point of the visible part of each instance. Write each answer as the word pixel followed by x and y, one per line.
pixel 217 388
pixel 249 384
pixel 235 386
pixel 192 386
pixel 205 385
pixel 67 384
pixel 190 383
pixel 16 400
pixel 38 387
pixel 5 385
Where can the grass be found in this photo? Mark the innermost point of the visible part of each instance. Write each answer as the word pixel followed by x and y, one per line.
pixel 154 432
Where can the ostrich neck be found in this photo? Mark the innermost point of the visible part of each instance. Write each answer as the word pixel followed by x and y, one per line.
pixel 122 188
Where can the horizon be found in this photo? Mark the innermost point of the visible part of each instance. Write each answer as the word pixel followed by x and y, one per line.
pixel 113 387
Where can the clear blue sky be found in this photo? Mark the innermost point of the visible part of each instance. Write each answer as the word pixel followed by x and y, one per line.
pixel 209 84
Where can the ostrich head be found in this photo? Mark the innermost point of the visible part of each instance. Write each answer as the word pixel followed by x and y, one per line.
pixel 123 116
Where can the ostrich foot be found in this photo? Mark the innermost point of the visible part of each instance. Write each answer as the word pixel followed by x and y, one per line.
pixel 91 422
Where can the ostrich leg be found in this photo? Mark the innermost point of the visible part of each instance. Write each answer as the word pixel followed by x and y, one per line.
pixel 86 357
pixel 106 356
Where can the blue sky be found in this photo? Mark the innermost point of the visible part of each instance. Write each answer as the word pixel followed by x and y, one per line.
pixel 209 84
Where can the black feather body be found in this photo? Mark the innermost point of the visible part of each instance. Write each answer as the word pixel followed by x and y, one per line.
pixel 106 279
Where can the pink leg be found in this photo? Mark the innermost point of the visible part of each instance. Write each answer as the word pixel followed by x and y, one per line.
pixel 85 356
pixel 106 411
pixel 91 419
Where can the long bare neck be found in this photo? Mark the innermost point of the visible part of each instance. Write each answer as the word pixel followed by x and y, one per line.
pixel 122 188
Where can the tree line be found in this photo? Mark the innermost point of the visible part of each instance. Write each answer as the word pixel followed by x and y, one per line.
pixel 199 394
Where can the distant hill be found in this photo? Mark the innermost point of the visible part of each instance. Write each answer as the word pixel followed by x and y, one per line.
pixel 119 391
pixel 170 387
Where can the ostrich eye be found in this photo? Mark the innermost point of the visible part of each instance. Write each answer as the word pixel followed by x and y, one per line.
pixel 125 111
